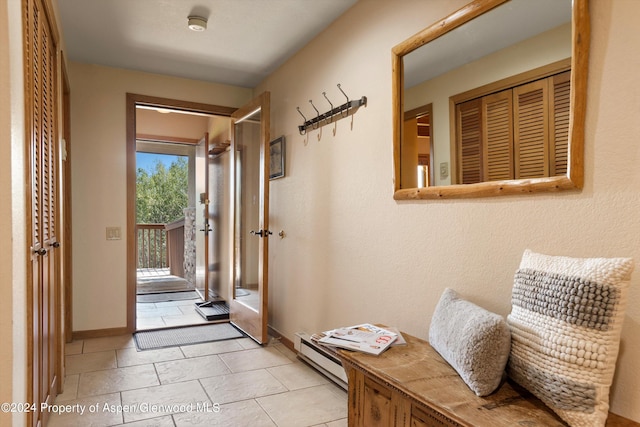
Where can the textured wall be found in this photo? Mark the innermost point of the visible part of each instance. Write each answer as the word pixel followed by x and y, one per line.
pixel 353 254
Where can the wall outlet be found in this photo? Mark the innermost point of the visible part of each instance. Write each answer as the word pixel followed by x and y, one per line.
pixel 444 170
pixel 114 233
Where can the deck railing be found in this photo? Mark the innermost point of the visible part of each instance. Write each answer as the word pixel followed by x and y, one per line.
pixel 152 246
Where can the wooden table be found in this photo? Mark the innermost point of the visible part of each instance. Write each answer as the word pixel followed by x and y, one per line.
pixel 412 385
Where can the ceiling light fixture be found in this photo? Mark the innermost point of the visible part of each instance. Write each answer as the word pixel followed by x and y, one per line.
pixel 197 23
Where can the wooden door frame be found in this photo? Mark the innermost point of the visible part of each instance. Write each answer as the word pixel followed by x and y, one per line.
pixel 132 100
pixel 67 264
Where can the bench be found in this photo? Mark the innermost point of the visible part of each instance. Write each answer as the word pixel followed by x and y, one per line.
pixel 414 386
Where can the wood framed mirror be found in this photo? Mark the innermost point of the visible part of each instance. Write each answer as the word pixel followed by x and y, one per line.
pixel 439 152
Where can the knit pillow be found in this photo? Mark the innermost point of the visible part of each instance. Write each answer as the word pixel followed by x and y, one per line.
pixel 565 325
pixel 474 341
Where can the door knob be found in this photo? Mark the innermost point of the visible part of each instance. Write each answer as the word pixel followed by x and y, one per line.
pixel 55 244
pixel 256 233
pixel 41 251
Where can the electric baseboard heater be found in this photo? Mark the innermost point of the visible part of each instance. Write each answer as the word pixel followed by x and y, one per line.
pixel 320 359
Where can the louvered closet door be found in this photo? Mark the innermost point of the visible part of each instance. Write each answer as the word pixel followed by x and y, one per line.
pixel 469 138
pixel 44 284
pixel 559 110
pixel 531 117
pixel 497 134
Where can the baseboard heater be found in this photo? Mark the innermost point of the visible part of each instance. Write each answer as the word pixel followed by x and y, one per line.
pixel 320 359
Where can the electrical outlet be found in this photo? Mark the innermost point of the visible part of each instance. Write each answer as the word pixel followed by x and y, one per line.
pixel 114 233
pixel 444 170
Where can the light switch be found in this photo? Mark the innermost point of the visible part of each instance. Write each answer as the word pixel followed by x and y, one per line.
pixel 114 233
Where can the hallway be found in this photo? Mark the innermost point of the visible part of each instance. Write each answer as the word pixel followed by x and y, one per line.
pixel 225 383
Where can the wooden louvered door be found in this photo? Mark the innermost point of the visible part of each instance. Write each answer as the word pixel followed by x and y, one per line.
pixel 531 137
pixel 559 110
pixel 43 209
pixel 518 133
pixel 469 138
pixel 497 134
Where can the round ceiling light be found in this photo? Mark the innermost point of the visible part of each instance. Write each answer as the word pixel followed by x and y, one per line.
pixel 197 23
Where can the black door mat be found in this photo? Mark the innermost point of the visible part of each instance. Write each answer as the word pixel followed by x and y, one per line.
pixel 168 296
pixel 173 337
pixel 213 310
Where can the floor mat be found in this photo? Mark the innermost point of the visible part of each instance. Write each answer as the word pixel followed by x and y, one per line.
pixel 168 296
pixel 147 340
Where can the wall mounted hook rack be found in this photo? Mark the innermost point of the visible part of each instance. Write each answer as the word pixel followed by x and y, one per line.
pixel 336 113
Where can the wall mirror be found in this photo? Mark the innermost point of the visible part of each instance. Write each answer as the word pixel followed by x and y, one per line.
pixel 490 101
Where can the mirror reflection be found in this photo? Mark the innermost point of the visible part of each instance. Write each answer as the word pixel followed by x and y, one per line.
pixel 247 212
pixel 488 100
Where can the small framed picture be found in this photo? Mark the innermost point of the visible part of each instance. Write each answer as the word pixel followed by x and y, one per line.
pixel 276 158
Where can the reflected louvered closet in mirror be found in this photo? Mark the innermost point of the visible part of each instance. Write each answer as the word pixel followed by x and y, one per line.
pixel 490 101
pixel 515 133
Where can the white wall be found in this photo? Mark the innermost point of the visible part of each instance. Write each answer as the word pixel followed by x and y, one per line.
pixel 98 130
pixel 353 254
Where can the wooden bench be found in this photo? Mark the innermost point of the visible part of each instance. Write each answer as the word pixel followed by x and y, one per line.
pixel 414 386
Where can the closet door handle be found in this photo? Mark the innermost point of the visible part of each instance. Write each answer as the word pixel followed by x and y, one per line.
pixel 55 245
pixel 256 233
pixel 41 252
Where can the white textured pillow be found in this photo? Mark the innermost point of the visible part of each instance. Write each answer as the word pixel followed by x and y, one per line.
pixel 565 324
pixel 474 341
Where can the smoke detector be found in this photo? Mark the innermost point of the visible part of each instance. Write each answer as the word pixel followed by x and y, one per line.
pixel 197 23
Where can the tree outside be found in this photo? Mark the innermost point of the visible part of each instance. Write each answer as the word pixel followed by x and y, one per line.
pixel 161 197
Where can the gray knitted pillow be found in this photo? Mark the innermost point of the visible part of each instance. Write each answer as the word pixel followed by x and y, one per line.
pixel 565 321
pixel 474 341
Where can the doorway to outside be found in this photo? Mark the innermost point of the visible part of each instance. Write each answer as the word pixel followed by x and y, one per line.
pixel 165 294
pixel 171 205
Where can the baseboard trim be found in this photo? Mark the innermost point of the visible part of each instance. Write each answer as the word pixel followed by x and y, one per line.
pixel 284 340
pixel 99 333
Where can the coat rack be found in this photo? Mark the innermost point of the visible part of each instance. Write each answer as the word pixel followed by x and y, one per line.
pixel 336 113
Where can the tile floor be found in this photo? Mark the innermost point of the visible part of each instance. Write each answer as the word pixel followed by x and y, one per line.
pixel 225 383
pixel 152 315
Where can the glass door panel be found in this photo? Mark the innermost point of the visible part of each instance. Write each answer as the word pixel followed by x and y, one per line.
pixel 250 137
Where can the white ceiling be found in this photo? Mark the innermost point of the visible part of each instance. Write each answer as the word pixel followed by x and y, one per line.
pixel 244 42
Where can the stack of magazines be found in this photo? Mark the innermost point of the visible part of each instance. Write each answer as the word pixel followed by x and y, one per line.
pixel 366 338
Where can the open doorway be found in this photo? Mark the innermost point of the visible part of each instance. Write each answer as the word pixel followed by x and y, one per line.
pixel 171 210
pixel 165 288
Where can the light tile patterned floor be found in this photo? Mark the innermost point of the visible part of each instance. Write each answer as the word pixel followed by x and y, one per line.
pixel 232 383
pixel 167 314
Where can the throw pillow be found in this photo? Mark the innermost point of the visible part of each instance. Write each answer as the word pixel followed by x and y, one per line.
pixel 565 324
pixel 474 341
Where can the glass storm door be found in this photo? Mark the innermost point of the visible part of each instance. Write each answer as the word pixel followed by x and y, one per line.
pixel 201 224
pixel 249 164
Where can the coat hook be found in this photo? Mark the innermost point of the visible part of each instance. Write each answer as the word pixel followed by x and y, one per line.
pixel 298 108
pixel 325 97
pixel 302 128
pixel 317 116
pixel 345 95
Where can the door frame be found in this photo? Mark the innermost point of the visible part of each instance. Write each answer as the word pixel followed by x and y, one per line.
pixel 133 100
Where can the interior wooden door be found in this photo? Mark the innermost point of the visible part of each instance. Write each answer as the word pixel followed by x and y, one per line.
pixel 202 225
pixel 44 297
pixel 250 176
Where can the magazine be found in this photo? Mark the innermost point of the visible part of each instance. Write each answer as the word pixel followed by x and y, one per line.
pixel 366 338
